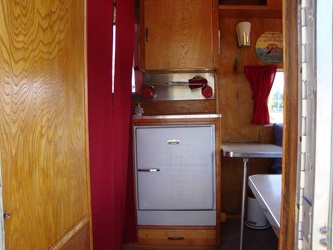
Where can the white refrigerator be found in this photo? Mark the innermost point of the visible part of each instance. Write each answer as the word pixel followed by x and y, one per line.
pixel 175 174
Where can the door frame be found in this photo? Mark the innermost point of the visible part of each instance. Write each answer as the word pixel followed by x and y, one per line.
pixel 290 140
pixel 2 226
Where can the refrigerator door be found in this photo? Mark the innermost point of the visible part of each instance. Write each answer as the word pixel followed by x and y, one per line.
pixel 175 167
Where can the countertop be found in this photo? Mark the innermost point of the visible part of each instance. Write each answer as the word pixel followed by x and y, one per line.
pixel 190 116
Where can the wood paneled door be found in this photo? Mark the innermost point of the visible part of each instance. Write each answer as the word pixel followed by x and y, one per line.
pixel 43 124
pixel 178 35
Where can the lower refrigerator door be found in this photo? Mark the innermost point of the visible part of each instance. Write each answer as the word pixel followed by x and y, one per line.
pixel 175 167
pixel 175 174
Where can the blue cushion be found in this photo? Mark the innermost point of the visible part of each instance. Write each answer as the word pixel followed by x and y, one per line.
pixel 278 133
pixel 276 166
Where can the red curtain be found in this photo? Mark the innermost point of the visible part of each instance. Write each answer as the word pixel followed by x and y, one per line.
pixel 109 118
pixel 261 79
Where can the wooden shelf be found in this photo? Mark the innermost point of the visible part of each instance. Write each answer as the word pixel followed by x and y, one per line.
pixel 273 9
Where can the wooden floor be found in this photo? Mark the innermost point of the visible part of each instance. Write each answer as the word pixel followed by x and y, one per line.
pixel 230 230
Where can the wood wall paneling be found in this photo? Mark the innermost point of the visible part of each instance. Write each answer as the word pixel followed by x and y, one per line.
pixel 80 240
pixel 178 107
pixel 43 129
pixel 77 238
pixel 235 94
pixel 236 105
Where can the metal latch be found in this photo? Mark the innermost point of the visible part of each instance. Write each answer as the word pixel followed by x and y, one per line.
pixel 325 231
pixel 6 216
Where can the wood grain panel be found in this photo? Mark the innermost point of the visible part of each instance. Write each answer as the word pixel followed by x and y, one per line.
pixel 235 94
pixel 254 9
pixel 249 12
pixel 218 141
pixel 183 42
pixel 179 237
pixel 178 107
pixel 236 106
pixel 80 240
pixel 290 143
pixel 43 120
pixel 77 238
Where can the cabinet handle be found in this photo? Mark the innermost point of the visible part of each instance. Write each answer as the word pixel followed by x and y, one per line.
pixel 175 238
pixel 146 34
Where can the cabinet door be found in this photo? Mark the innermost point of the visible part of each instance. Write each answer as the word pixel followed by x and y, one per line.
pixel 43 126
pixel 175 167
pixel 177 34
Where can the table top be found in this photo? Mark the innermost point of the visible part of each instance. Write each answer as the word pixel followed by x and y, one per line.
pixel 251 150
pixel 267 190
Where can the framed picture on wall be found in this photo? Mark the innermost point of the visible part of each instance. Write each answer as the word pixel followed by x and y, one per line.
pixel 269 47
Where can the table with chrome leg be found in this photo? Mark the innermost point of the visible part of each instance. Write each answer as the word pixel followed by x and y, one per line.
pixel 246 151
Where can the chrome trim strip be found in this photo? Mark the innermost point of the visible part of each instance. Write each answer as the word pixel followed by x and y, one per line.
pixel 136 117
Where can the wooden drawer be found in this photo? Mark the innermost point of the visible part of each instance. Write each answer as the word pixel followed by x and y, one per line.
pixel 177 237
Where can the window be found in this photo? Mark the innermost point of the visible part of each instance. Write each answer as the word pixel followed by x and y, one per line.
pixel 275 99
pixel 113 61
pixel 133 80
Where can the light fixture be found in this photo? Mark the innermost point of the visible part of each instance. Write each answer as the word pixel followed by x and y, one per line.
pixel 243 30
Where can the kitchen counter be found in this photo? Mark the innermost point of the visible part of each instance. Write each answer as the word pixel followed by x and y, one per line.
pixel 190 116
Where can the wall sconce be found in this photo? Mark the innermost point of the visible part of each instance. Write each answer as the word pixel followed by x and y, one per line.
pixel 243 30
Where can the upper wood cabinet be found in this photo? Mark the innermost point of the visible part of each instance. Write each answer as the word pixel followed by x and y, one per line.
pixel 178 35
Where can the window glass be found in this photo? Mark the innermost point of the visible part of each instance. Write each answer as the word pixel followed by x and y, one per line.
pixel 133 80
pixel 275 99
pixel 113 62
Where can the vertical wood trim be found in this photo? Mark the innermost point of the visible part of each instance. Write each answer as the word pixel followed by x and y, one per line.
pixel 85 57
pixel 2 225
pixel 142 38
pixel 218 170
pixel 289 161
pixel 216 50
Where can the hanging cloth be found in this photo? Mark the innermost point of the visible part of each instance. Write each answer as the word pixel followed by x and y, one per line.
pixel 110 145
pixel 261 79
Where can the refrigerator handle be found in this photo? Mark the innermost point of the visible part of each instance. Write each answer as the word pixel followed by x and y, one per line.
pixel 148 170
